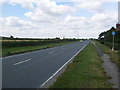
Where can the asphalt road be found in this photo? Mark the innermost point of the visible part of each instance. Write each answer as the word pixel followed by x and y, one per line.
pixel 32 69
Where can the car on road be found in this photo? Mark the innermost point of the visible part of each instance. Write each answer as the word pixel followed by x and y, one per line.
pixel 81 41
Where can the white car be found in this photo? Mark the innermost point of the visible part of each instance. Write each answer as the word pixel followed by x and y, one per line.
pixel 81 41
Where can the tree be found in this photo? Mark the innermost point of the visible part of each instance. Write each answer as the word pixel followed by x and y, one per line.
pixel 11 37
pixel 112 28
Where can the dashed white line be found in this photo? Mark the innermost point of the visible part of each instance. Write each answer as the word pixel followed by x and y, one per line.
pixel 22 62
pixel 62 67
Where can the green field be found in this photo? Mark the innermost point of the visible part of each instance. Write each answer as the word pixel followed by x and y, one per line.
pixel 84 72
pixel 7 50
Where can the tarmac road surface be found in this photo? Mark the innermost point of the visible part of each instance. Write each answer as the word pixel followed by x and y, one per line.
pixel 32 69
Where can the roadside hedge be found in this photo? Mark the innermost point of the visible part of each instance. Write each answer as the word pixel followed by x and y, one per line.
pixel 109 44
pixel 14 43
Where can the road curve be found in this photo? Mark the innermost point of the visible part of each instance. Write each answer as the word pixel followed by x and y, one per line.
pixel 32 69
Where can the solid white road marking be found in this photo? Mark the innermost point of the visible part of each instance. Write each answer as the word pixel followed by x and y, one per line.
pixel 62 67
pixel 22 62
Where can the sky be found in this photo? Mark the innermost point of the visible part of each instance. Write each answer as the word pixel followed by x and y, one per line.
pixel 57 18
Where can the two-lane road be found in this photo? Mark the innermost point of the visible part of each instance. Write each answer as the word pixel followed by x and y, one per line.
pixel 32 69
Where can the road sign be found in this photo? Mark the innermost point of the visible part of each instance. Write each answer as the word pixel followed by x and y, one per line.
pixel 113 33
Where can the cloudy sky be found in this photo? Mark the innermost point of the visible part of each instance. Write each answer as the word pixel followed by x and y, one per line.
pixel 57 18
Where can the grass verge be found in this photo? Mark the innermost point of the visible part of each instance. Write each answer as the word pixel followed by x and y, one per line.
pixel 84 72
pixel 17 50
pixel 107 50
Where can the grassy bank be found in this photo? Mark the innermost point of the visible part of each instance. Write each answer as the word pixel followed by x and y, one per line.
pixel 15 50
pixel 84 72
pixel 107 50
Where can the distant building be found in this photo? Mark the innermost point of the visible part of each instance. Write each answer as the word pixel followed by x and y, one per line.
pixel 118 26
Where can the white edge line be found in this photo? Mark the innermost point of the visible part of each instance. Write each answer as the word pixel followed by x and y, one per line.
pixel 62 67
pixel 22 62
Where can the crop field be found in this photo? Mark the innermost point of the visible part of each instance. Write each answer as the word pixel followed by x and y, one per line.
pixel 22 43
pixel 10 47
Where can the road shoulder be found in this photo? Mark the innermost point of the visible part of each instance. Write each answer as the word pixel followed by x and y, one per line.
pixel 85 71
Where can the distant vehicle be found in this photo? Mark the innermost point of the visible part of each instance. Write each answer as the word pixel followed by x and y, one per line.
pixel 81 41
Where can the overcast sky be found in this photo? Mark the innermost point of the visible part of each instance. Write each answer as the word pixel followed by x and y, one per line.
pixel 57 18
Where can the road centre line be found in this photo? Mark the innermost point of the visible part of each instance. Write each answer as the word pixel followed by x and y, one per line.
pixel 62 67
pixel 22 62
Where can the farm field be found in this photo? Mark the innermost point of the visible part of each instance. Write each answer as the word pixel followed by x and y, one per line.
pixel 10 47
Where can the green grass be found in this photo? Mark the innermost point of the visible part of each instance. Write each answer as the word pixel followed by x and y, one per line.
pixel 84 72
pixel 17 50
pixel 107 50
